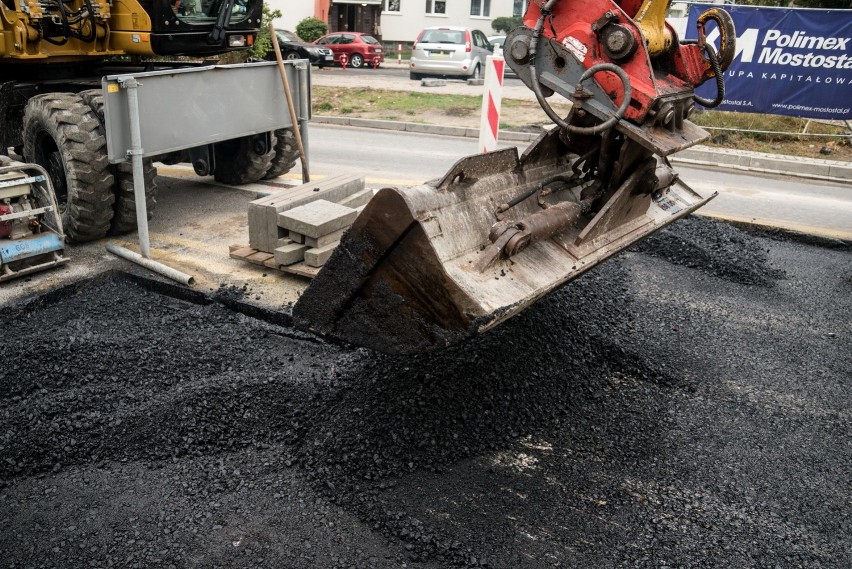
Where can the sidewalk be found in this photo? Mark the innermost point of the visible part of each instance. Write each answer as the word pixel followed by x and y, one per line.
pixel 757 162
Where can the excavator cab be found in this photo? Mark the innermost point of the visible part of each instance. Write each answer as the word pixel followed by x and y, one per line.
pixel 426 266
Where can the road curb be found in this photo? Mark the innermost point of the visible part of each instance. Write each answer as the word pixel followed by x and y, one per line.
pixel 756 162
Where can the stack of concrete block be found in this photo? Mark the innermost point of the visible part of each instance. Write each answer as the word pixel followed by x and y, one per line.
pixel 314 232
pixel 306 222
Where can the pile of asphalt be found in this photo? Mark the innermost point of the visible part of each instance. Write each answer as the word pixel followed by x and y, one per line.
pixel 714 248
pixel 656 412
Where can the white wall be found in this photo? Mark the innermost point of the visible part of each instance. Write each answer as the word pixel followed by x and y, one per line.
pixel 294 11
pixel 403 26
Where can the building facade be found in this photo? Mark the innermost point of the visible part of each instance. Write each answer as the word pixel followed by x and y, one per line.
pixel 396 20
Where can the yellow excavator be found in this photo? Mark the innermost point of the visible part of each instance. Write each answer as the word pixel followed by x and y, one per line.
pixel 53 55
pixel 426 266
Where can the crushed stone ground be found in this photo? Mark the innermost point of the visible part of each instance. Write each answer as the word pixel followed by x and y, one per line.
pixel 686 404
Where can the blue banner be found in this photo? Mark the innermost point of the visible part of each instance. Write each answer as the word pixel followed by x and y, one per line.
pixel 789 61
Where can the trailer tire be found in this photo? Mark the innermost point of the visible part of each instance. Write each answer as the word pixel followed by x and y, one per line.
pixel 124 217
pixel 63 134
pixel 286 153
pixel 238 163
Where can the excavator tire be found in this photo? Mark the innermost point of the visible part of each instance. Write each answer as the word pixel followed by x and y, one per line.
pixel 124 218
pixel 238 163
pixel 286 153
pixel 63 134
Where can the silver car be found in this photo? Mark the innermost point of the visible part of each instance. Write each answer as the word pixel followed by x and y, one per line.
pixel 452 51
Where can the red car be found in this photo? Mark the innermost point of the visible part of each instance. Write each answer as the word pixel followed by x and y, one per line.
pixel 360 49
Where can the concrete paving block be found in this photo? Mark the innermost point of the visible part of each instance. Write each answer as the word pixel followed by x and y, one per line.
pixel 283 241
pixel 433 82
pixel 317 218
pixel 264 232
pixel 355 200
pixel 325 239
pixel 841 170
pixel 289 254
pixel 318 256
pixel 386 125
pixel 787 165
pixel 436 129
pixel 296 237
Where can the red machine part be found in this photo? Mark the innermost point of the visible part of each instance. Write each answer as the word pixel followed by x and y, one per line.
pixel 578 26
pixel 5 226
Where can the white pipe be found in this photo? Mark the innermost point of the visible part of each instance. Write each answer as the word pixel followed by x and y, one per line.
pixel 158 268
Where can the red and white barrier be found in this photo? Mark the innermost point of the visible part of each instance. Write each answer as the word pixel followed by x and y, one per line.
pixel 491 98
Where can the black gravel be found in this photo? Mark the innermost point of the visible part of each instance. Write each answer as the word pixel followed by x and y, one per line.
pixel 684 405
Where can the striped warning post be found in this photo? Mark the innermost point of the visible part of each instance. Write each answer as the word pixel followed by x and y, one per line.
pixel 491 97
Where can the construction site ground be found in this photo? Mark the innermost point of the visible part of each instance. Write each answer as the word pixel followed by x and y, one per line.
pixel 686 404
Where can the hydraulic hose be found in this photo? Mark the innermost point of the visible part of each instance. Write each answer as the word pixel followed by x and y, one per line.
pixel 546 11
pixel 720 79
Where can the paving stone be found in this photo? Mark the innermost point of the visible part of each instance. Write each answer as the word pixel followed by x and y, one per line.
pixel 325 239
pixel 317 218
pixel 355 200
pixel 263 212
pixel 317 257
pixel 290 254
pixel 296 237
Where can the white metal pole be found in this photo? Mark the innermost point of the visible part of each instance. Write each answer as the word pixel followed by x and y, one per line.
pixel 135 154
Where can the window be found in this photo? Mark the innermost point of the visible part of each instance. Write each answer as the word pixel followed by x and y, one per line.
pixel 392 5
pixel 329 40
pixel 480 8
pixel 435 35
pixel 480 40
pixel 436 6
pixel 518 8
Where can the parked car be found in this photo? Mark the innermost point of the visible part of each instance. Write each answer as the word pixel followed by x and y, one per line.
pixel 496 40
pixel 292 47
pixel 449 51
pixel 359 48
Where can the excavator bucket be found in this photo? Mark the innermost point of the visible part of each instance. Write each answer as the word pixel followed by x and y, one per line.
pixel 423 267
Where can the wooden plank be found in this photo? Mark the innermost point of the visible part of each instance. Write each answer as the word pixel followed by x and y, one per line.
pixel 302 270
pixel 259 257
pixel 250 255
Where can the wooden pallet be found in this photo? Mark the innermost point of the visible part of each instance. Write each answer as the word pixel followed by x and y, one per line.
pixel 245 253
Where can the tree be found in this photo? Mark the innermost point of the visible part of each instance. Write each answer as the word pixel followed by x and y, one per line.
pixel 506 24
pixel 263 41
pixel 311 29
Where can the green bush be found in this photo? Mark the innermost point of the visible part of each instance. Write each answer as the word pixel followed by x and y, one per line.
pixel 263 41
pixel 311 29
pixel 506 24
